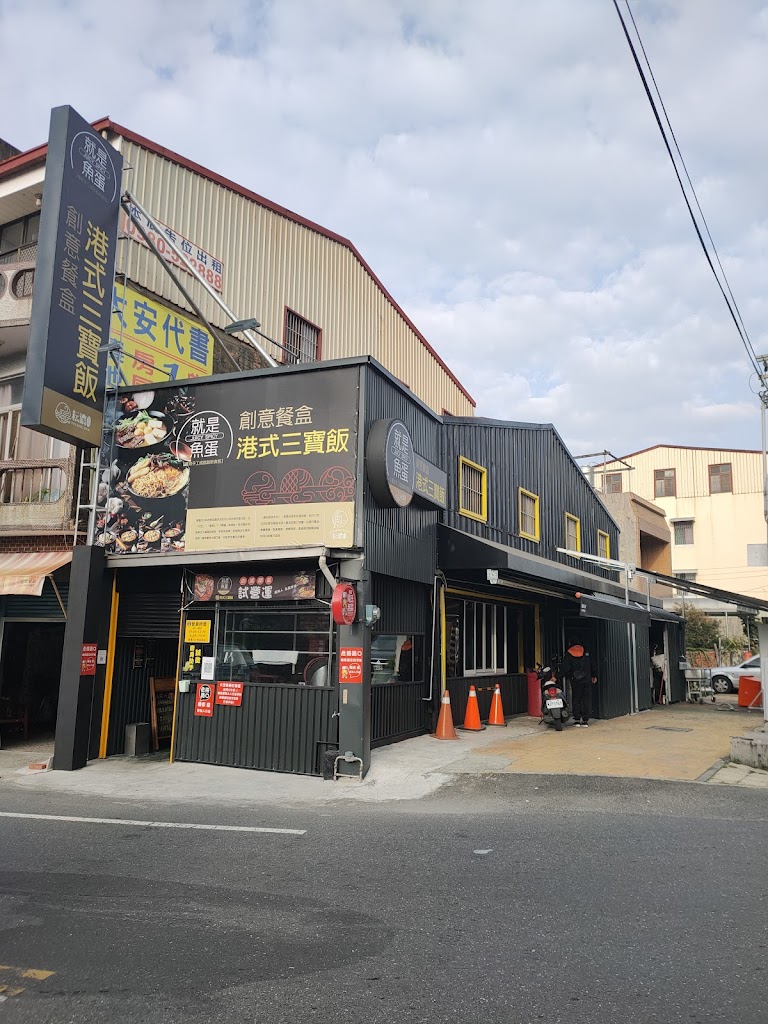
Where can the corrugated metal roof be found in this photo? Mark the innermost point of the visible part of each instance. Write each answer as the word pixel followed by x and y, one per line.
pixel 37 156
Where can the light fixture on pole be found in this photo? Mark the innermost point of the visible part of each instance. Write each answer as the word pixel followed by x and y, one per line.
pixel 251 324
pixel 242 325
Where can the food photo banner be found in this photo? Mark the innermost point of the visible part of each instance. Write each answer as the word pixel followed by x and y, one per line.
pixel 231 465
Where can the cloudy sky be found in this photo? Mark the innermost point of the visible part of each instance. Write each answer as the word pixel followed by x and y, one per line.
pixel 496 162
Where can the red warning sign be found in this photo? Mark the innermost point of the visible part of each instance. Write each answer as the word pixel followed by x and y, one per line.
pixel 229 693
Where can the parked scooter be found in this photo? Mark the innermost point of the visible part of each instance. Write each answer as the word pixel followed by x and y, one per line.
pixel 554 707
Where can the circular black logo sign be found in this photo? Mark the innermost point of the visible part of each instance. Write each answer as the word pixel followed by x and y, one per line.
pixel 390 463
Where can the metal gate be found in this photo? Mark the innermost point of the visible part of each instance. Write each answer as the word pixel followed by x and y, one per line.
pixel 279 728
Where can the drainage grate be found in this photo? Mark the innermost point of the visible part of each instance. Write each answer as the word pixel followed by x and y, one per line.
pixel 667 728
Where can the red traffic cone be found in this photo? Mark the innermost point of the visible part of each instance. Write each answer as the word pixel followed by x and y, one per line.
pixel 496 716
pixel 472 715
pixel 445 729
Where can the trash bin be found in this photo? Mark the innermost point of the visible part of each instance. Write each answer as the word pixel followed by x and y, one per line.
pixel 749 692
pixel 534 695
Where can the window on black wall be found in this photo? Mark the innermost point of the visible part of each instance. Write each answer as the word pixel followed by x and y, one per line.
pixel 485 638
pixel 481 638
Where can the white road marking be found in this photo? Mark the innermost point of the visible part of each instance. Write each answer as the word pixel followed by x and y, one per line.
pixel 156 824
pixel 483 852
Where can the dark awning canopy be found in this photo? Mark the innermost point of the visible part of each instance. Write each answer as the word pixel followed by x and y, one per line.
pixel 603 607
pixel 461 553
pixel 660 615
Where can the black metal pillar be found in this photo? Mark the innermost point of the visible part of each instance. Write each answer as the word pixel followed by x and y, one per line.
pixel 355 698
pixel 87 615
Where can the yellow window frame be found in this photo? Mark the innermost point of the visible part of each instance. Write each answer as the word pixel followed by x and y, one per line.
pixel 470 513
pixel 602 533
pixel 573 519
pixel 521 493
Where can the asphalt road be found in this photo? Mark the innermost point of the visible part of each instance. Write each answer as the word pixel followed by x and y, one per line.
pixel 507 899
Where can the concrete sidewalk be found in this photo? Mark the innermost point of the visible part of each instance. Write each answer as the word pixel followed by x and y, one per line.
pixel 678 743
pixel 403 771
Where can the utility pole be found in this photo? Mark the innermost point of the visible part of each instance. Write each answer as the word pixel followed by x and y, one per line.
pixel 762 628
pixel 763 360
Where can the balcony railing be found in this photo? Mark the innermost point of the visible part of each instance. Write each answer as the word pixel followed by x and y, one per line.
pixel 17 278
pixel 36 495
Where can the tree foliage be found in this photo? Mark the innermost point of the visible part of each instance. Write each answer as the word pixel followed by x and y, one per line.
pixel 702 633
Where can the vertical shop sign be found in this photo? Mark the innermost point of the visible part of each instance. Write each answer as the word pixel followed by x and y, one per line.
pixel 72 299
pixel 206 693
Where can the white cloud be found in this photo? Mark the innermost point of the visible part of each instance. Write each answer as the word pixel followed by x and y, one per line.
pixel 496 163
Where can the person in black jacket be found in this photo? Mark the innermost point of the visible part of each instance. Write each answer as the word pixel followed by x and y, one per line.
pixel 578 669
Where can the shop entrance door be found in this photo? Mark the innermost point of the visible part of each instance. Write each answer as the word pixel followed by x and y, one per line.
pixel 583 632
pixel 137 660
pixel 30 674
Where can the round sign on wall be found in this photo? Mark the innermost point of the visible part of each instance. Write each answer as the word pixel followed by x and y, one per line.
pixel 391 463
pixel 344 604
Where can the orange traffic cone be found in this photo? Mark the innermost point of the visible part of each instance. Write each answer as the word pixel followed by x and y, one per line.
pixel 496 716
pixel 472 714
pixel 445 729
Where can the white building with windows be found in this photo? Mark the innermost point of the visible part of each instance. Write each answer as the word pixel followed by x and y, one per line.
pixel 713 501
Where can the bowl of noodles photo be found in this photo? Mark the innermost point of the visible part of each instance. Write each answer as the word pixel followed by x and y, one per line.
pixel 156 477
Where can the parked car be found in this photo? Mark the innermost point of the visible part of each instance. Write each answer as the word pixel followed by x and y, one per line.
pixel 725 678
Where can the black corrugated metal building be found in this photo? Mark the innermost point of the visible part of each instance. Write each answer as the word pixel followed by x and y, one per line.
pixel 512 598
pixel 463 566
pixel 288 715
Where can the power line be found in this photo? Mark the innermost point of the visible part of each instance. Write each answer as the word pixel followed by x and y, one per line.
pixel 687 175
pixel 732 306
